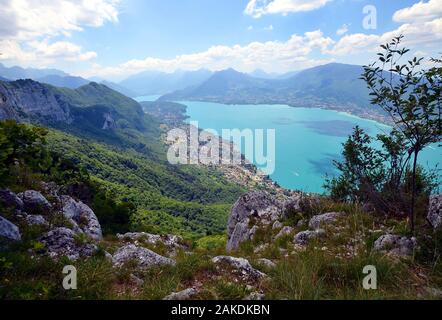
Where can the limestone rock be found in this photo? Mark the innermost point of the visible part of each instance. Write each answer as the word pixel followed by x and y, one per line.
pixel 83 216
pixel 8 230
pixel 144 258
pixel 396 245
pixel 34 201
pixel 323 219
pixel 61 242
pixel 240 264
pixel 36 220
pixel 434 216
pixel 304 237
pixel 182 295
pixel 260 206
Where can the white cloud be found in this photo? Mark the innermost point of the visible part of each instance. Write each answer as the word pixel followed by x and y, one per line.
pixel 423 27
pixel 258 8
pixel 42 52
pixel 342 30
pixel 420 12
pixel 29 25
pixel 34 18
pixel 275 56
pixel 269 27
pixel 250 28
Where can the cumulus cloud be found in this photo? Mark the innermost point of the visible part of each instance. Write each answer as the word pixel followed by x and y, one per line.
pixel 420 12
pixel 258 8
pixel 273 56
pixel 28 25
pixel 33 18
pixel 422 26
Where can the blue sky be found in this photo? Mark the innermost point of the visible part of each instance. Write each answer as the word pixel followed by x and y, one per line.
pixel 114 39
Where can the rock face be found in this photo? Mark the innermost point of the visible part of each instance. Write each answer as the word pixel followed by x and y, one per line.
pixel 240 264
pixel 33 99
pixel 396 245
pixel 304 237
pixel 10 200
pixel 144 258
pixel 323 219
pixel 34 201
pixel 182 295
pixel 109 122
pixel 8 230
pixel 435 211
pixel 61 242
pixel 259 205
pixel 82 216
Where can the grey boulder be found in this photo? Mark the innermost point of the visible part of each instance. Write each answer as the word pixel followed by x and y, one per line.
pixel 34 200
pixel 8 230
pixel 318 221
pixel 304 237
pixel 83 216
pixel 144 258
pixel 396 245
pixel 240 264
pixel 62 242
pixel 36 220
pixel 259 205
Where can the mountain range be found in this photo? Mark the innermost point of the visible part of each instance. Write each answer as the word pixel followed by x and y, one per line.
pixel 155 82
pixel 332 86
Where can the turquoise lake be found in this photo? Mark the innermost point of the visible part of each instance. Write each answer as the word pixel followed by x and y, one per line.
pixel 307 139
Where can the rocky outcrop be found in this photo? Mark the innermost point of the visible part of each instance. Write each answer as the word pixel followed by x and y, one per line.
pixel 26 98
pixel 62 242
pixel 8 230
pixel 240 264
pixel 434 216
pixel 257 205
pixel 142 257
pixel 34 201
pixel 395 245
pixel 182 295
pixel 82 216
pixel 304 237
pixel 321 220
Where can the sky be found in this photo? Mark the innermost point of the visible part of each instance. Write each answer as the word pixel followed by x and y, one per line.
pixel 114 39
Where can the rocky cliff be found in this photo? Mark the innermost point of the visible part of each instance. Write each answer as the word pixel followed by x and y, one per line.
pixel 24 99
